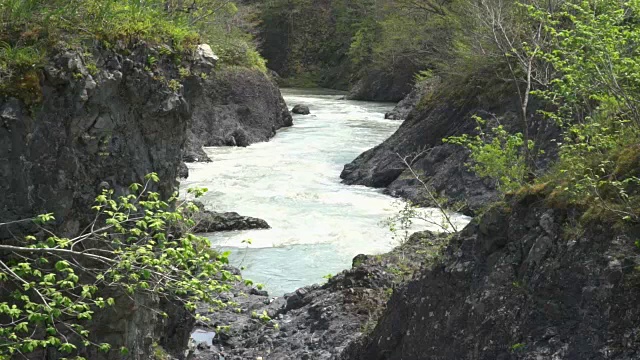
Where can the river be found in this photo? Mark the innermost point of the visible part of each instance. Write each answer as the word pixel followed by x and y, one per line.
pixel 292 182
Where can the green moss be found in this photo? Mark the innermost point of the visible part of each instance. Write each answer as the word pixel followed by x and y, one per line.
pixel 628 162
pixel 25 86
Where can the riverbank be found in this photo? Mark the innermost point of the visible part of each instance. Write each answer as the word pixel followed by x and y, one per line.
pixel 316 321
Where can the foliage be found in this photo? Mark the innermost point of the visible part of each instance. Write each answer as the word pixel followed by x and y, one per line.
pixel 598 169
pixel 138 244
pixel 400 223
pixel 263 316
pixel 592 92
pixel 496 155
pixel 604 77
pixel 29 29
pixel 351 38
pixel 596 96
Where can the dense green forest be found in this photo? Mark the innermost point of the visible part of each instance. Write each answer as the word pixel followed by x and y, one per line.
pixel 333 42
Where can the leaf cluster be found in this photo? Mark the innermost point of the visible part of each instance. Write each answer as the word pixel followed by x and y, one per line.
pixel 138 244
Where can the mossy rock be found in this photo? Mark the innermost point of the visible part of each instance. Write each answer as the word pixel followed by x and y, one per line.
pixel 628 162
pixel 25 86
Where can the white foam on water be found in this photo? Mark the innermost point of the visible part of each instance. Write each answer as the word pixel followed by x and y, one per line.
pixel 292 182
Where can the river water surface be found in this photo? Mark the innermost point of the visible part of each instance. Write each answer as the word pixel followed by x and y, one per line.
pixel 293 182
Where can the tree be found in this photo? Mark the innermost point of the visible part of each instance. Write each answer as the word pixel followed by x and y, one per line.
pixel 596 94
pixel 519 39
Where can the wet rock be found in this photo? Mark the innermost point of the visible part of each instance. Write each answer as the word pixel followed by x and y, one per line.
pixel 301 110
pixel 183 171
pixel 203 346
pixel 210 221
pixel 255 291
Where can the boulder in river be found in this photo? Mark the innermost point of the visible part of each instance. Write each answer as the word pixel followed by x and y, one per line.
pixel 301 110
pixel 210 221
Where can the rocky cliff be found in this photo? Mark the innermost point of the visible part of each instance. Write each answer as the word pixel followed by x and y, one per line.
pixel 106 118
pixel 443 112
pixel 378 85
pixel 104 128
pixel 523 282
pixel 410 102
pixel 232 107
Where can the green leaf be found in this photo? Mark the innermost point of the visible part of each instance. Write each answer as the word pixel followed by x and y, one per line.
pixel 104 347
pixel 67 348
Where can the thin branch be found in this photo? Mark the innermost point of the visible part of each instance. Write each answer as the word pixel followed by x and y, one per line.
pixel 443 211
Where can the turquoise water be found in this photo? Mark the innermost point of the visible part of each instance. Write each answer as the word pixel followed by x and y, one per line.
pixel 318 224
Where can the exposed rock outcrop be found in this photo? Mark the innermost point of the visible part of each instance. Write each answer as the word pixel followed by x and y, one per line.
pixel 378 85
pixel 411 101
pixel 522 283
pixel 318 321
pixel 105 128
pixel 419 138
pixel 106 119
pixel 232 107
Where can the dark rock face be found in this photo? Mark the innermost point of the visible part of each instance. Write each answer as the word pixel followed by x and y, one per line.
pixel 419 139
pixel 382 86
pixel 315 322
pixel 110 128
pixel 517 285
pixel 235 107
pixel 410 102
pixel 301 110
pixel 93 131
pixel 210 221
pixel 107 129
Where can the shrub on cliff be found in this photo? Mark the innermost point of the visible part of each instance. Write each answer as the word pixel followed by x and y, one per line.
pixel 30 28
pixel 589 54
pixel 137 244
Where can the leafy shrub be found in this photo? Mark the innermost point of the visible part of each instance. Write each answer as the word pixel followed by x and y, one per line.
pixel 497 155
pixel 30 28
pixel 597 96
pixel 138 244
